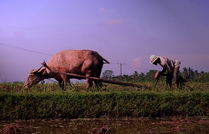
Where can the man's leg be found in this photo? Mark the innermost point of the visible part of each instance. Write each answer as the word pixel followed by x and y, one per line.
pixel 175 74
pixel 169 79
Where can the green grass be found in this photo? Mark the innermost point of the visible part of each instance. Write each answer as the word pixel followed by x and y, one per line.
pixel 49 101
pixel 17 88
pixel 97 104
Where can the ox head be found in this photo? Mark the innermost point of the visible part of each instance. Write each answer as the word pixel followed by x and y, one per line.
pixel 35 76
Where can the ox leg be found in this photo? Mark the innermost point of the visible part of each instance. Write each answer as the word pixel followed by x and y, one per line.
pixel 66 82
pixel 88 81
pixel 61 84
pixel 97 74
pixel 98 84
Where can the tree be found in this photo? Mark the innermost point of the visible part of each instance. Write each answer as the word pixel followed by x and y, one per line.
pixel 108 74
pixel 189 74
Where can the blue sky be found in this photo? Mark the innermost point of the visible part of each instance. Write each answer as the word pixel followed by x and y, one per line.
pixel 122 31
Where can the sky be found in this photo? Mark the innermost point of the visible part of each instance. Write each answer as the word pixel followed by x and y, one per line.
pixel 124 32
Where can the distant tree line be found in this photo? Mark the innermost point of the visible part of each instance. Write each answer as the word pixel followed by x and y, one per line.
pixel 188 74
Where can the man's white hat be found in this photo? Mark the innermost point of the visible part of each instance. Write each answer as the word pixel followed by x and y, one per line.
pixel 153 58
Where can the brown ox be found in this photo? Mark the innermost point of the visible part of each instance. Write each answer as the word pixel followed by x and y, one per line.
pixel 83 62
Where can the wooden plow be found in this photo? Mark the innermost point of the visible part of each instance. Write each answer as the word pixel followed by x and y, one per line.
pixel 95 78
pixel 102 80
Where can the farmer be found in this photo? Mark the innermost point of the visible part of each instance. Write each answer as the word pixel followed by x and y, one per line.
pixel 169 65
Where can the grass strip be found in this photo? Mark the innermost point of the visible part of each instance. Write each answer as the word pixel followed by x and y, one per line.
pixel 103 104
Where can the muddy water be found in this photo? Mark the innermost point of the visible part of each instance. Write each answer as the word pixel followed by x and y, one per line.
pixel 189 125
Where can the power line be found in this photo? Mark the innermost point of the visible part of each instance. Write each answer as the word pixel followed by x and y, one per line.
pixel 24 49
pixel 38 52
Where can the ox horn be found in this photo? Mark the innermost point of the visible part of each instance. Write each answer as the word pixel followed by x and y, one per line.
pixel 35 71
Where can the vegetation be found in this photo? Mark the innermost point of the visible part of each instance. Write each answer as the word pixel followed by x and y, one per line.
pixel 188 74
pixel 49 101
pixel 108 104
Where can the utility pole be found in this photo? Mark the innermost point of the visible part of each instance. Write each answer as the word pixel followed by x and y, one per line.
pixel 121 68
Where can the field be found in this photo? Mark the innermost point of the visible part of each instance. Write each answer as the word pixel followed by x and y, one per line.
pixel 49 101
pixel 45 108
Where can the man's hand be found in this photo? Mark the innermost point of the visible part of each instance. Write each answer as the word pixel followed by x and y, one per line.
pixel 157 75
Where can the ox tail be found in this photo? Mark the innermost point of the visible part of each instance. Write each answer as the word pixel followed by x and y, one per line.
pixel 106 62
